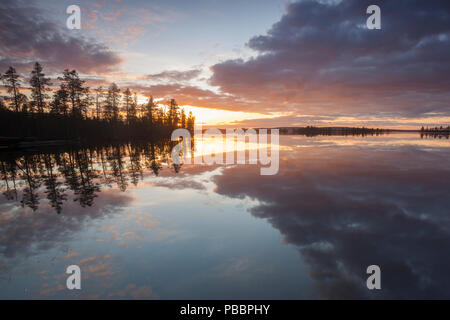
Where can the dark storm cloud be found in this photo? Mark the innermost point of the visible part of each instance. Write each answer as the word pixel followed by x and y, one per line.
pixel 356 208
pixel 27 36
pixel 320 58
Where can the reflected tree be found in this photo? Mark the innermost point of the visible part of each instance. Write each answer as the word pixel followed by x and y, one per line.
pixel 78 173
pixel 54 189
pixel 117 167
pixel 30 197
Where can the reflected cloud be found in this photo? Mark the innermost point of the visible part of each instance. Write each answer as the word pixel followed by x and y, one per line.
pixel 25 234
pixel 347 209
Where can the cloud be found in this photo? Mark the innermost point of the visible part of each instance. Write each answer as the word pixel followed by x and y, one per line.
pixel 174 75
pixel 26 36
pixel 131 291
pixel 177 184
pixel 72 255
pixel 321 59
pixel 123 24
pixel 186 94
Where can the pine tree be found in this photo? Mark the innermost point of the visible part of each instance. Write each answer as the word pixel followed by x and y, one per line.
pixel 2 105
pixel 59 102
pixel 190 122
pixel 127 101
pixel 112 103
pixel 39 84
pixel 73 85
pixel 12 83
pixel 173 113
pixel 133 109
pixel 24 103
pixel 183 119
pixel 150 109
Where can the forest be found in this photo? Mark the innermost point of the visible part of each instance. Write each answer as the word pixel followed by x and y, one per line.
pixel 72 111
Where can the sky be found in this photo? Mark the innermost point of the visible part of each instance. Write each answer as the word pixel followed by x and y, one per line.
pixel 250 63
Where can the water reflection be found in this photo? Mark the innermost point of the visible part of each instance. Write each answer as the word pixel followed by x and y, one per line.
pixel 141 228
pixel 81 172
pixel 348 208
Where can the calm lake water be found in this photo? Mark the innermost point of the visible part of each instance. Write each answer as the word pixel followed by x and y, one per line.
pixel 139 227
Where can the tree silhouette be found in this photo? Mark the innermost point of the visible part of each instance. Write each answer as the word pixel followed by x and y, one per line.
pixel 12 83
pixel 73 86
pixel 127 100
pixel 134 168
pixel 133 110
pixel 183 119
pixel 39 85
pixel 10 193
pixel 112 103
pixel 98 101
pixel 149 109
pixel 59 102
pixel 24 104
pixel 151 160
pixel 68 170
pixel 54 190
pixel 30 196
pixel 117 166
pixel 107 179
pixel 87 187
pixel 190 122
pixel 173 113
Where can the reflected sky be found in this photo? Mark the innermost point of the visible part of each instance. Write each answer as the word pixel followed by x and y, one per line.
pixel 140 228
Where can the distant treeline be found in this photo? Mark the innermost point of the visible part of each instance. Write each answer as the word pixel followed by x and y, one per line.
pixel 440 129
pixel 74 111
pixel 435 132
pixel 314 131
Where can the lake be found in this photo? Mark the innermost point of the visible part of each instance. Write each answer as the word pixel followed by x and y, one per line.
pixel 141 228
